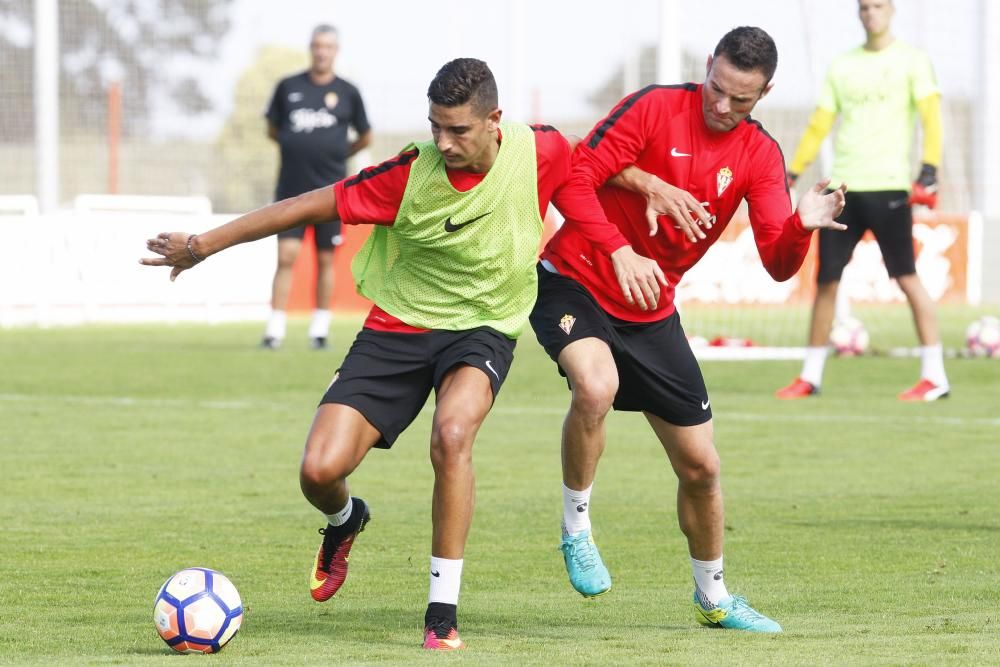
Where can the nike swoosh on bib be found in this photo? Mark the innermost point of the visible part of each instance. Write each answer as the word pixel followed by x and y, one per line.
pixel 449 227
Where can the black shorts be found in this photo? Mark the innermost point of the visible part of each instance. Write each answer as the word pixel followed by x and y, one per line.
pixel 888 215
pixel 657 371
pixel 325 234
pixel 387 377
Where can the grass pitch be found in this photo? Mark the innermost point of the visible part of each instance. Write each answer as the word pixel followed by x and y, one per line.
pixel 868 528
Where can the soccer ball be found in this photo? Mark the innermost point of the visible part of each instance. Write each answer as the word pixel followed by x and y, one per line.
pixel 197 611
pixel 849 337
pixel 983 337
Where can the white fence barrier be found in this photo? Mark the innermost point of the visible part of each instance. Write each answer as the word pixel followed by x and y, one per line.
pixel 75 268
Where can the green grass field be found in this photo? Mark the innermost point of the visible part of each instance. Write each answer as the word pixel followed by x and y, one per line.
pixel 868 528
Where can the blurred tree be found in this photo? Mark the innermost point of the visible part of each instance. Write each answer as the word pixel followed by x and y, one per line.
pixel 129 41
pixel 248 159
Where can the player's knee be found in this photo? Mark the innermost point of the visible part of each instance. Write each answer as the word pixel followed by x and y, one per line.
pixel 594 395
pixel 451 442
pixel 313 477
pixel 319 471
pixel 701 473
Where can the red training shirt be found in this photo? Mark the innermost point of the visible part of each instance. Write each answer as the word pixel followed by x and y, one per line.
pixel 661 129
pixel 374 195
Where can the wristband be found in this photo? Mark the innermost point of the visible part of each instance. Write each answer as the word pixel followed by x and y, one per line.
pixel 194 255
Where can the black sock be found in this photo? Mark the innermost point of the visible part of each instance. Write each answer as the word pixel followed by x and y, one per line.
pixel 442 610
pixel 351 525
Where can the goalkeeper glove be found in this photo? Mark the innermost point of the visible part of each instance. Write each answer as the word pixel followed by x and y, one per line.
pixel 925 188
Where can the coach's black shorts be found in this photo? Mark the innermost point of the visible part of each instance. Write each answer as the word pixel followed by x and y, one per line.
pixel 888 215
pixel 657 371
pixel 387 377
pixel 325 234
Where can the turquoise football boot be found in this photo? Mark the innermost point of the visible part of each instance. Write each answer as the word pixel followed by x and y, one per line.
pixel 584 565
pixel 732 613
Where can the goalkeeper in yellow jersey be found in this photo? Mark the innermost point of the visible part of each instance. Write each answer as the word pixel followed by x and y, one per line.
pixel 877 89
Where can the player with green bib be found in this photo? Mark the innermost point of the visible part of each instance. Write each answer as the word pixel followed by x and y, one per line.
pixel 450 267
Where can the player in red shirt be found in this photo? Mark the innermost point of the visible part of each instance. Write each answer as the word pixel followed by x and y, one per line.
pixel 386 377
pixel 605 310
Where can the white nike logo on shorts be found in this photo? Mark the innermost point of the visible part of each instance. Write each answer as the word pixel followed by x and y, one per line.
pixel 491 369
pixel 705 404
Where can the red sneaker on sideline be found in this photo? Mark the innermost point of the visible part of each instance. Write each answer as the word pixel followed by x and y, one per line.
pixel 799 388
pixel 925 390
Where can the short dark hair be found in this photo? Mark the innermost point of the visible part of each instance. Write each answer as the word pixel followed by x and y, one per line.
pixel 749 49
pixel 464 81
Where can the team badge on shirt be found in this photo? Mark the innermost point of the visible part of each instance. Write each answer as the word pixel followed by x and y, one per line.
pixel 566 323
pixel 330 100
pixel 723 179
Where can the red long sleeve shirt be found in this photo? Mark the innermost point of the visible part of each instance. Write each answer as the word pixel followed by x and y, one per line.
pixel 374 195
pixel 661 129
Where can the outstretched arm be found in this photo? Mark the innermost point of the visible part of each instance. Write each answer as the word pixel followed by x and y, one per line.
pixel 182 251
pixel 782 237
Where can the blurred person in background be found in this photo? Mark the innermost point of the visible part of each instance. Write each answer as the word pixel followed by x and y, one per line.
pixel 877 89
pixel 309 117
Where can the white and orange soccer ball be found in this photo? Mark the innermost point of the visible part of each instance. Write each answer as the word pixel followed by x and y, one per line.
pixel 849 337
pixel 982 337
pixel 197 610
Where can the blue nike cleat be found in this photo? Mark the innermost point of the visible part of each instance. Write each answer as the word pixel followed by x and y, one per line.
pixel 584 565
pixel 732 613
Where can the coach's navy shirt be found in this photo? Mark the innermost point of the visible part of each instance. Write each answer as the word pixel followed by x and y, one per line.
pixel 312 124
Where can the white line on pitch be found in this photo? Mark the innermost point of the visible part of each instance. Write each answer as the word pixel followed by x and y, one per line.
pixel 786 417
pixel 131 401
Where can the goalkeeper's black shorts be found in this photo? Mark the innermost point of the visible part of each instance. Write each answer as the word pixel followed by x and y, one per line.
pixel 887 214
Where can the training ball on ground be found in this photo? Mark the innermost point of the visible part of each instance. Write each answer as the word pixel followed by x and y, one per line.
pixel 982 338
pixel 197 610
pixel 849 337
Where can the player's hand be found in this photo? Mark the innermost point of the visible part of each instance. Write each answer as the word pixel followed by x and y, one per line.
pixel 818 210
pixel 173 250
pixel 687 212
pixel 925 189
pixel 639 277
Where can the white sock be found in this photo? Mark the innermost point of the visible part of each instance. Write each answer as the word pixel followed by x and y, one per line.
pixel 932 364
pixel 709 580
pixel 276 325
pixel 341 517
pixel 319 327
pixel 812 368
pixel 446 580
pixel 576 510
